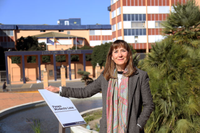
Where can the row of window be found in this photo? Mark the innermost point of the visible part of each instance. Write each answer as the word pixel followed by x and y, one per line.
pixel 131 32
pixel 6 32
pixel 118 12
pixel 119 26
pixel 134 17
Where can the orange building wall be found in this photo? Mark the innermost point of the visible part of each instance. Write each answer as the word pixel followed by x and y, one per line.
pixel 32 70
pixel 25 33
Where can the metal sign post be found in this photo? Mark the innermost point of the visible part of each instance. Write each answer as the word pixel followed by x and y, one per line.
pixel 61 129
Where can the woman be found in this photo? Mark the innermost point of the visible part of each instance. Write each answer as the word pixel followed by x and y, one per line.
pixel 127 100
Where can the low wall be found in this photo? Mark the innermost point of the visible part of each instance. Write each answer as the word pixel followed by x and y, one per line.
pixel 80 129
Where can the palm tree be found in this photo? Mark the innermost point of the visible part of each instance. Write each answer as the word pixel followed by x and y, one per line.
pixel 174 70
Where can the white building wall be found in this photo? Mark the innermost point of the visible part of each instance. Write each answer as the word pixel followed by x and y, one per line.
pixel 119 38
pixel 129 39
pixel 134 9
pixel 127 24
pixel 151 24
pixel 97 32
pixel 68 42
pixel 142 39
pixel 158 9
pixel 95 43
pixel 155 38
pixel 106 32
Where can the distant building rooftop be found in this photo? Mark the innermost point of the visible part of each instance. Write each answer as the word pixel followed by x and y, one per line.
pixel 55 27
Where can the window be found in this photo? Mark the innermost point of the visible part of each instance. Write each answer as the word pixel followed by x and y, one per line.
pixel 125 32
pixel 129 32
pixel 114 14
pixel 140 32
pixel 92 32
pixel 129 17
pixel 136 39
pixel 61 30
pixel 134 17
pixel 119 25
pixel 125 17
pixel 134 32
pixel 66 22
pixel 114 27
pixel 42 30
pixel 137 24
pixel 50 72
pixel 158 24
pixel 68 32
pixel 118 11
pixel 144 17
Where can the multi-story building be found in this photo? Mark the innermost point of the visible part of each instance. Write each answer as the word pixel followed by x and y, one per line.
pixel 86 34
pixel 66 37
pixel 139 21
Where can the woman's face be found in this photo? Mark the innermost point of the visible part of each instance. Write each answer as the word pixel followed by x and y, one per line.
pixel 119 56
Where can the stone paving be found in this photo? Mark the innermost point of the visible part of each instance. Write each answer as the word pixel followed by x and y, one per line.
pixel 20 96
pixel 8 100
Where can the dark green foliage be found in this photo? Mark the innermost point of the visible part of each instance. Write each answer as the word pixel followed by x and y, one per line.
pixel 46 59
pixel 85 77
pixel 31 59
pixel 174 69
pixel 183 23
pixel 174 81
pixel 76 57
pixel 16 59
pixel 29 44
pixel 60 58
pixel 99 54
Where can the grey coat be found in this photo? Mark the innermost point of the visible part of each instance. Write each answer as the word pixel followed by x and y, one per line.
pixel 139 95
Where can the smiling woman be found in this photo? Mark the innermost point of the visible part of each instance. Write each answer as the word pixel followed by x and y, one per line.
pixel 126 96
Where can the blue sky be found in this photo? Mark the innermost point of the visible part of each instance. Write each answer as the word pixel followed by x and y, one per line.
pixel 49 11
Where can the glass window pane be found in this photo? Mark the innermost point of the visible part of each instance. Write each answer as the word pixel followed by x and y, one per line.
pixel 133 17
pixel 140 17
pixel 133 31
pixel 129 17
pixel 144 31
pixel 125 17
pixel 136 32
pixel 125 32
pixel 144 17
pixel 136 17
pixel 129 32
pixel 140 31
pixel 11 32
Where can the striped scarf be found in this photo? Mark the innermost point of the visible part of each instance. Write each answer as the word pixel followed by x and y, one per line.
pixel 117 105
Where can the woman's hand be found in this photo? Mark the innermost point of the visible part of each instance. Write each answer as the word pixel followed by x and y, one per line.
pixel 52 89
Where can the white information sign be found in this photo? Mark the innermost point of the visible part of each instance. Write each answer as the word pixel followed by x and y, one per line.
pixel 63 108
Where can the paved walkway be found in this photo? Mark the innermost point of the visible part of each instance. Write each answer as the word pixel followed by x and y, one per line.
pixel 20 95
pixel 8 100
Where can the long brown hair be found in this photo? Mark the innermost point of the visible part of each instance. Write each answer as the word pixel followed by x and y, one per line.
pixel 110 64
